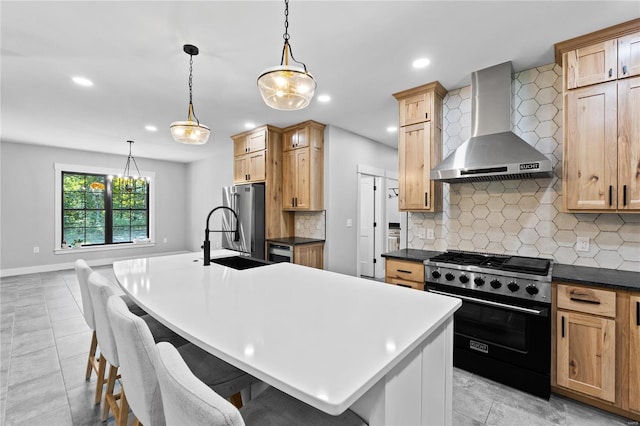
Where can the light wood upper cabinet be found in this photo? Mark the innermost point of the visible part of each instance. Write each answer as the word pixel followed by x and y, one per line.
pixel 592 64
pixel 634 353
pixel 419 147
pixel 629 55
pixel 416 109
pixel 251 142
pixel 586 354
pixel 250 168
pixel 629 144
pixel 303 167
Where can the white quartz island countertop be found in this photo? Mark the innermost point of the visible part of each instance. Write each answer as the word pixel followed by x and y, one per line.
pixel 323 337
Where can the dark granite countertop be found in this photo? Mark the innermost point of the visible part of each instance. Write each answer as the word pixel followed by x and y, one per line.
pixel 599 277
pixel 613 278
pixel 411 254
pixel 294 241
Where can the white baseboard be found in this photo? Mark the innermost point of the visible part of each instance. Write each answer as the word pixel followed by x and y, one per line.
pixel 69 265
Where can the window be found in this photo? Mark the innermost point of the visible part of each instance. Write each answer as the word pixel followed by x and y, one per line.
pixel 96 208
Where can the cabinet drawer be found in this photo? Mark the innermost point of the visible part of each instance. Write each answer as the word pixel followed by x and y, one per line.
pixel 588 300
pixel 405 283
pixel 405 270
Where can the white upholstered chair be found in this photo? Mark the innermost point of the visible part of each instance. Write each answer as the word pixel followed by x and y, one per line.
pixel 137 352
pixel 188 401
pixel 83 270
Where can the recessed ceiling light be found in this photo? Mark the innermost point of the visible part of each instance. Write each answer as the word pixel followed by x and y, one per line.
pixel 249 125
pixel 151 128
pixel 81 81
pixel 324 98
pixel 392 129
pixel 421 63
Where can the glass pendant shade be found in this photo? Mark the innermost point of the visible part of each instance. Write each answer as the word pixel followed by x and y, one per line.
pixel 190 132
pixel 286 87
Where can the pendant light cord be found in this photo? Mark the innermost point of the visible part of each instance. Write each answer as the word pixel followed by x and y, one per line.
pixel 286 36
pixel 191 108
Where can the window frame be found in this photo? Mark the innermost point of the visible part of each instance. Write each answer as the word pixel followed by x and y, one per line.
pixel 75 168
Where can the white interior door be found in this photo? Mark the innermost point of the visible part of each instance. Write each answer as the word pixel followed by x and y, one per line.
pixel 367 230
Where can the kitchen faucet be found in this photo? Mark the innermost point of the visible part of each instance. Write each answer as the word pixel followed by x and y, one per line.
pixel 207 244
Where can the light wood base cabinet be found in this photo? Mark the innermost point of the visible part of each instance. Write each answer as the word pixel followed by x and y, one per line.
pixel 311 255
pixel 405 273
pixel 595 353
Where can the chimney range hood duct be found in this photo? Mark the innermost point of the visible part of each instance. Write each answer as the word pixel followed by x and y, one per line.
pixel 493 152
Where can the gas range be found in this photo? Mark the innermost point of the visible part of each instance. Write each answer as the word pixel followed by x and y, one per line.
pixel 517 277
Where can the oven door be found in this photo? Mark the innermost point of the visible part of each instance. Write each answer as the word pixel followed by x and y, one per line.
pixel 519 334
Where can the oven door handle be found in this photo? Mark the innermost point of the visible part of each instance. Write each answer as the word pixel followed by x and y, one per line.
pixel 540 312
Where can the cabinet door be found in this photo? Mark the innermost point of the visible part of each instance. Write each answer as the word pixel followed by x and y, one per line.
pixel 309 255
pixel 629 55
pixel 586 354
pixel 288 179
pixel 303 175
pixel 416 109
pixel 629 143
pixel 257 141
pixel 296 138
pixel 592 64
pixel 590 153
pixel 240 174
pixel 240 146
pixel 256 166
pixel 634 354
pixel 415 164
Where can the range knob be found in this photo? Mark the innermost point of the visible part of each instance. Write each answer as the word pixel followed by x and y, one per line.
pixel 436 274
pixel 532 289
pixel 449 276
pixel 463 279
pixel 496 284
pixel 479 281
pixel 513 286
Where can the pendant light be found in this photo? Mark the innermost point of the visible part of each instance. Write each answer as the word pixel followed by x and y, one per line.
pixel 190 132
pixel 128 179
pixel 287 87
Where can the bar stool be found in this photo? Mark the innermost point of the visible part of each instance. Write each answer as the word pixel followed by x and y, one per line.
pixel 186 400
pixel 137 352
pixel 83 270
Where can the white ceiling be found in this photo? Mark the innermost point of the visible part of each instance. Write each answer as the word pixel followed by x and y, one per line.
pixel 360 53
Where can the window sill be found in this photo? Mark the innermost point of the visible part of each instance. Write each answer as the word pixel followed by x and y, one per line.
pixel 103 248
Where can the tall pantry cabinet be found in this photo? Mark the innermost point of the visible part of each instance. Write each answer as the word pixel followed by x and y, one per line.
pixel 419 147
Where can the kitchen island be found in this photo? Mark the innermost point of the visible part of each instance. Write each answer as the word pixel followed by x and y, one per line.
pixel 331 340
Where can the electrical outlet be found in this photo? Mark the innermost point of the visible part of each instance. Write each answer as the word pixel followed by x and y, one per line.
pixel 421 233
pixel 349 223
pixel 164 240
pixel 582 244
pixel 36 250
pixel 430 234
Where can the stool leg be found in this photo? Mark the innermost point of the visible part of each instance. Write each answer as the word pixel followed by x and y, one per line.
pixel 100 382
pixel 236 400
pixel 92 356
pixel 124 409
pixel 109 399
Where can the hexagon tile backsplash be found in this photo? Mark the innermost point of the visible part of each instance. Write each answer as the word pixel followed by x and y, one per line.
pixel 523 216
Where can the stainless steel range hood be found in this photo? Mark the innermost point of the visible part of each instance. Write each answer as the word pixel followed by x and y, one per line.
pixel 493 152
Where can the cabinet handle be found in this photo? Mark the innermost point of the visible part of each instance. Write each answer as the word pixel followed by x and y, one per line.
pixel 577 299
pixel 610 194
pixel 610 72
pixel 624 69
pixel 404 271
pixel 563 326
pixel 426 115
pixel 426 198
pixel 637 313
pixel 624 195
pixel 404 285
pixel 578 296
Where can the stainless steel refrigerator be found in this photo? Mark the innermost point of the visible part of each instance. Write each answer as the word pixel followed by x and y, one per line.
pixel 248 203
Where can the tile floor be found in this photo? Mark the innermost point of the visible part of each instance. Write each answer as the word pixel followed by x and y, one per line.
pixel 44 343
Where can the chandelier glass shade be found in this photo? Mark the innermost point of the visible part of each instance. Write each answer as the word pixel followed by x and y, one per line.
pixel 287 87
pixel 191 131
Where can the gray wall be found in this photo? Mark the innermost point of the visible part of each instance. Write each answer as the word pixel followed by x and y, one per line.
pixel 205 179
pixel 344 151
pixel 27 205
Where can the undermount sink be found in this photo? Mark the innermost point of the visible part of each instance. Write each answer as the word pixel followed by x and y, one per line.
pixel 240 262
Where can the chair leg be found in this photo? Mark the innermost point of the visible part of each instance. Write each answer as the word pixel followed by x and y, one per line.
pixel 236 400
pixel 92 356
pixel 100 382
pixel 109 400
